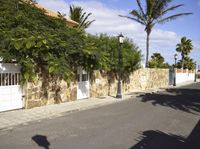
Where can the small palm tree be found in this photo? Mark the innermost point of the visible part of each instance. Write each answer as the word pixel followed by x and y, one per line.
pixel 184 47
pixel 153 12
pixel 76 13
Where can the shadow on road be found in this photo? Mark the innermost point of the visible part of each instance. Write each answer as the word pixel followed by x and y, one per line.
pixel 41 141
pixel 158 140
pixel 187 100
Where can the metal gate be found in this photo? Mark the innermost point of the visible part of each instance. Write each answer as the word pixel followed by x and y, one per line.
pixel 83 90
pixel 10 91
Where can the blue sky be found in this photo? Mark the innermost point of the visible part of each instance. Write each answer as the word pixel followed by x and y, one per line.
pixel 163 38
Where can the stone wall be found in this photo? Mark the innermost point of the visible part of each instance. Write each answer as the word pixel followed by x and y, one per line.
pixel 48 91
pixel 101 84
pixel 141 79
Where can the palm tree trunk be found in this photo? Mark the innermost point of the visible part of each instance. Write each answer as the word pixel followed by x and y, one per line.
pixel 182 64
pixel 147 50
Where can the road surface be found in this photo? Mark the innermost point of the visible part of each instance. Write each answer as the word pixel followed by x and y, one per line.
pixel 163 120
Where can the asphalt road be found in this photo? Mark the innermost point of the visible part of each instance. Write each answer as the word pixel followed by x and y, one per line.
pixel 164 120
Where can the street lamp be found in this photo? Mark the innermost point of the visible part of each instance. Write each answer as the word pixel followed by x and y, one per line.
pixel 195 68
pixel 121 41
pixel 175 59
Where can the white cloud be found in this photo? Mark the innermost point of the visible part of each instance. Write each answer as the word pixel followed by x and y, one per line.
pixel 108 21
pixel 196 51
pixel 55 5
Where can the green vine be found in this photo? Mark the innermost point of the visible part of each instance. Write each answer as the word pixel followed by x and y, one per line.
pixel 44 44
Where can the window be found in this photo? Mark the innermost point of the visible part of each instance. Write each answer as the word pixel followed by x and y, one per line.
pixel 84 77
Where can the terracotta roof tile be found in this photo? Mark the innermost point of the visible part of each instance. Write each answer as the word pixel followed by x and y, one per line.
pixel 54 14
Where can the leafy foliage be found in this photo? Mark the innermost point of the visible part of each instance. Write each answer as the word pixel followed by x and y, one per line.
pixel 46 45
pixel 153 12
pixel 76 13
pixel 103 50
pixel 188 63
pixel 158 61
pixel 41 44
pixel 184 47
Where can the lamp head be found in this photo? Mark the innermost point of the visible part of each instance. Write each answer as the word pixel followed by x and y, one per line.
pixel 175 56
pixel 121 38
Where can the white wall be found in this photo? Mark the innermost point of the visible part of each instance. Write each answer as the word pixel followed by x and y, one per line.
pixel 184 77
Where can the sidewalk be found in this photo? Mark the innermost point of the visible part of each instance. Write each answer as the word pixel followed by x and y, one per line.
pixel 184 84
pixel 10 119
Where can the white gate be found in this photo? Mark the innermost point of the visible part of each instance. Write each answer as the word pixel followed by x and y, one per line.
pixel 10 91
pixel 83 84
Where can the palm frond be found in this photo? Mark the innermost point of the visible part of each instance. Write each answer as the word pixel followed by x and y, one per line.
pixel 137 20
pixel 173 17
pixel 149 7
pixel 159 7
pixel 77 14
pixel 85 18
pixel 137 15
pixel 140 7
pixel 82 16
pixel 172 8
pixel 70 11
pixel 183 39
pixel 88 23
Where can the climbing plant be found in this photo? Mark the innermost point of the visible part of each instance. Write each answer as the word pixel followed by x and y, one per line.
pixel 38 42
pixel 46 45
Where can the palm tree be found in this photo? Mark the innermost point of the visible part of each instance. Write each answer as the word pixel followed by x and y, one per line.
pixel 184 47
pixel 76 13
pixel 153 12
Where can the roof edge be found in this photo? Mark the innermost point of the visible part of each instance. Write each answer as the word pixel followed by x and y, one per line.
pixel 54 14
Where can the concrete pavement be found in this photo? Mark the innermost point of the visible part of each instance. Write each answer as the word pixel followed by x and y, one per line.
pixel 23 116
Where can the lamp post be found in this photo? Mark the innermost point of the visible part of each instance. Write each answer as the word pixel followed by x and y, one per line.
pixel 195 68
pixel 175 59
pixel 121 41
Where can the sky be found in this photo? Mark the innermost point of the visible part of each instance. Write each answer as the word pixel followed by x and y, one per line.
pixel 163 39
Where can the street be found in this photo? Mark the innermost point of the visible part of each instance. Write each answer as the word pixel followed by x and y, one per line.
pixel 164 120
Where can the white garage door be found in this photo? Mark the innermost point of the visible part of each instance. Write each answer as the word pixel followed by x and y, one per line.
pixel 10 91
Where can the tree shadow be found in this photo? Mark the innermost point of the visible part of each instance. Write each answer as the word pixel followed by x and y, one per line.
pixel 41 141
pixel 158 140
pixel 193 140
pixel 187 100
